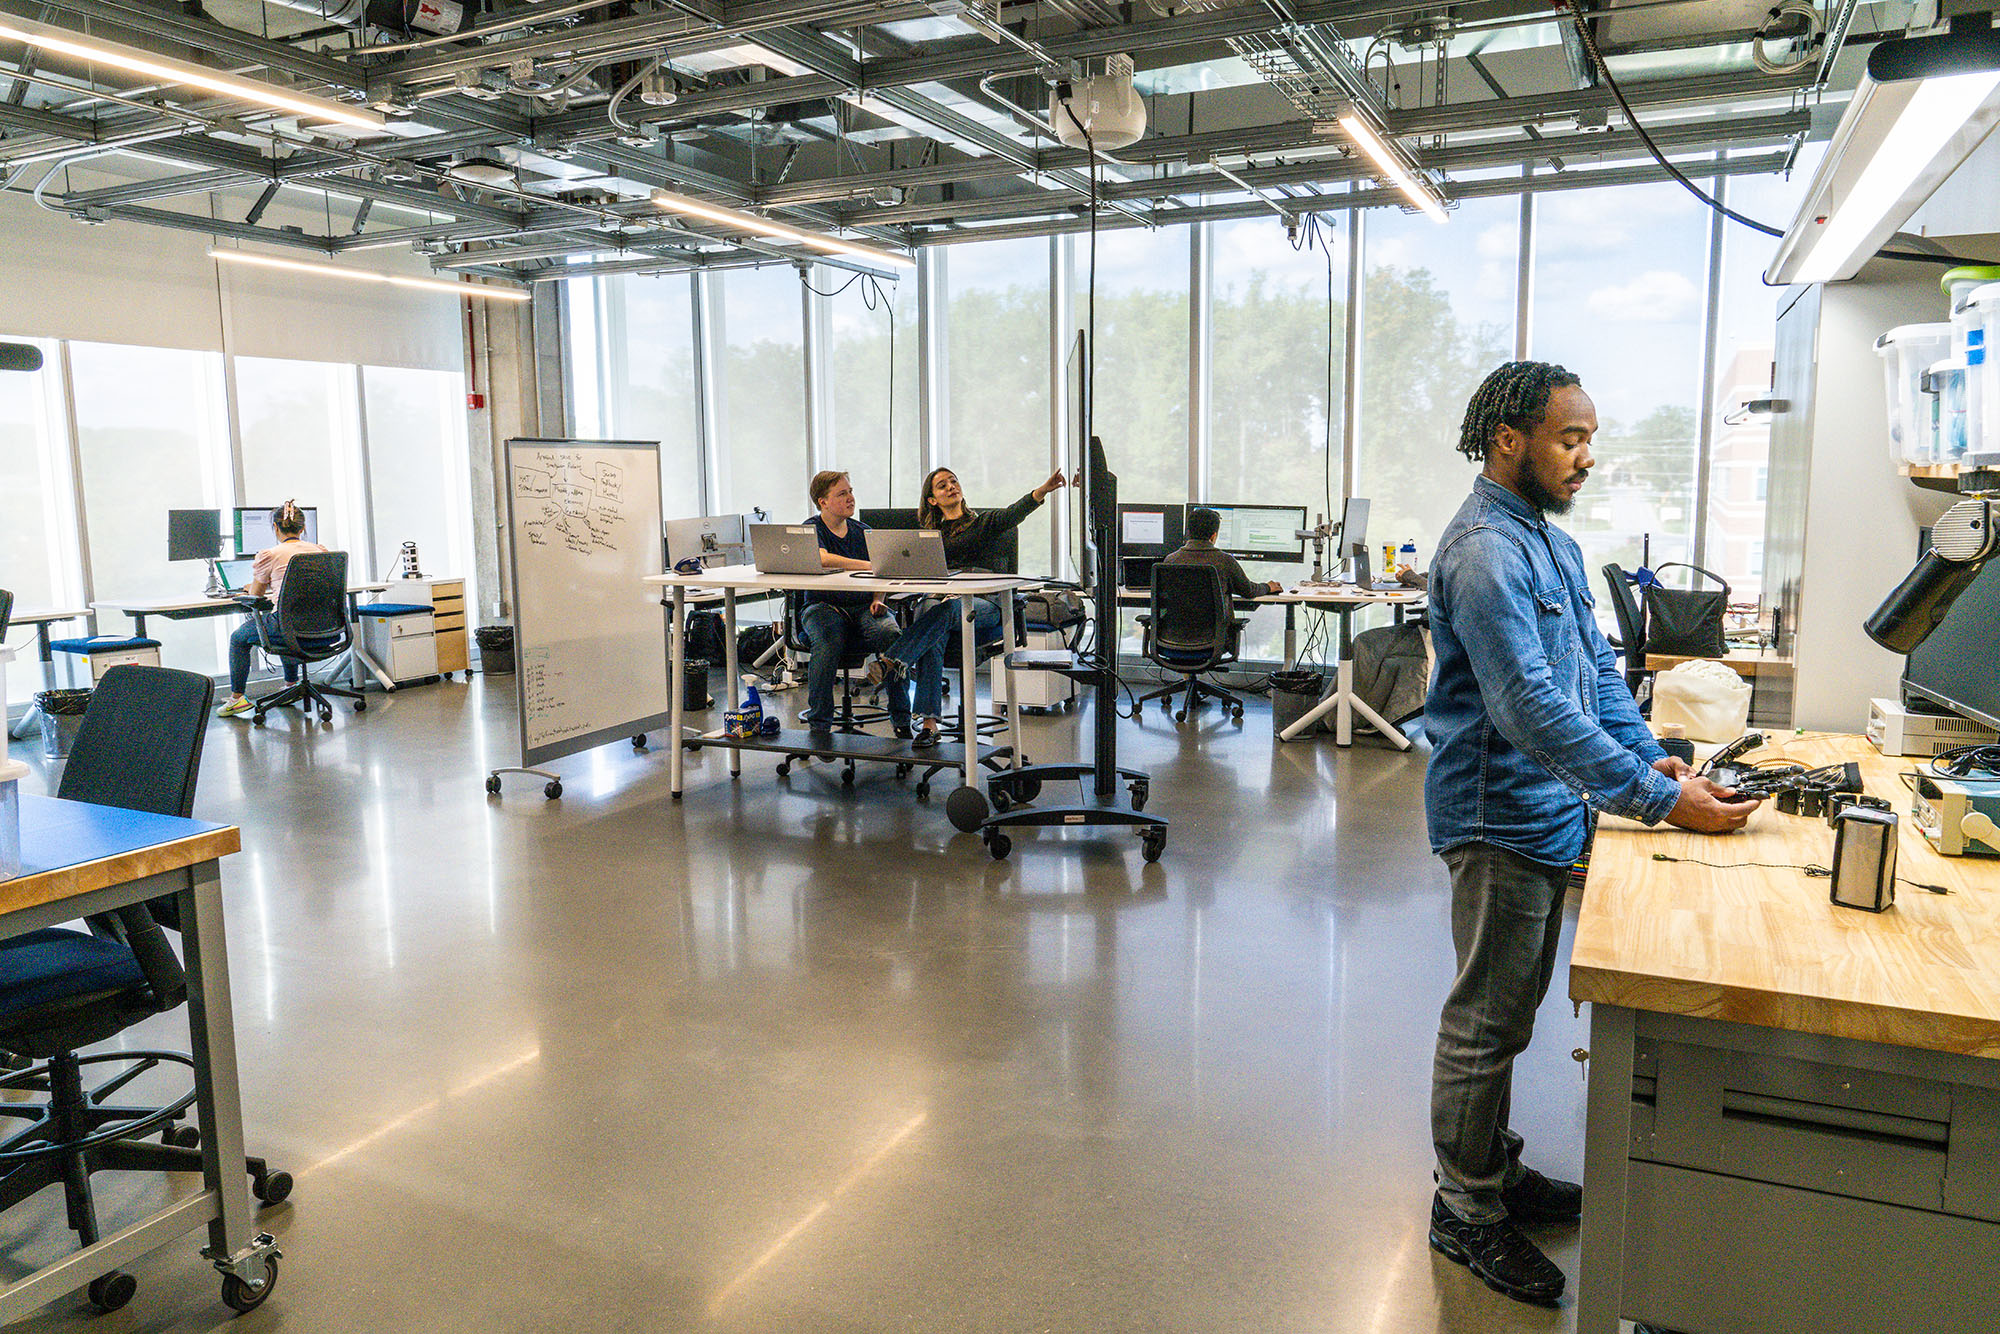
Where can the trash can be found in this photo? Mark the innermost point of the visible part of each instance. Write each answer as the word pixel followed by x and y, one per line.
pixel 62 714
pixel 1293 695
pixel 496 648
pixel 694 684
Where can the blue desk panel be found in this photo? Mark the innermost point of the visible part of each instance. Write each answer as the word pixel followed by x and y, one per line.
pixel 57 833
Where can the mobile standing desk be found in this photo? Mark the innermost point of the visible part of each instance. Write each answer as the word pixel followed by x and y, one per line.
pixel 195 609
pixel 1343 600
pixel 1794 1107
pixel 78 859
pixel 968 804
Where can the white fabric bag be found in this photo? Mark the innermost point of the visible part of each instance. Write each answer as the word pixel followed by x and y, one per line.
pixel 1710 702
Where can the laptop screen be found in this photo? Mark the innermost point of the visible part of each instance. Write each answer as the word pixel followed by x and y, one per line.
pixel 236 573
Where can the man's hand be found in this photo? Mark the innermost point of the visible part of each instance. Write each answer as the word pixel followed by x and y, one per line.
pixel 875 608
pixel 1674 767
pixel 1705 808
pixel 1274 585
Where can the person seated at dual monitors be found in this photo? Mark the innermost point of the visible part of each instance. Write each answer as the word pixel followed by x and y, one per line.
pixel 834 621
pixel 971 543
pixel 1200 549
pixel 267 576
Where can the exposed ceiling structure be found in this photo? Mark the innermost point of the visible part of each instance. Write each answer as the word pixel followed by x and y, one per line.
pixel 526 143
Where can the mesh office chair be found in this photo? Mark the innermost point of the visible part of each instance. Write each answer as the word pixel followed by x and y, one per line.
pixel 1631 641
pixel 312 627
pixel 1189 629
pixel 138 748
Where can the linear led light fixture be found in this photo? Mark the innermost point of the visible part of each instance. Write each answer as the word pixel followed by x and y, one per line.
pixel 1386 159
pixel 368 275
pixel 1921 109
pixel 165 69
pixel 756 226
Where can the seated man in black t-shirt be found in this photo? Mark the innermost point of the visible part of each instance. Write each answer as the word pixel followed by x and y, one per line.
pixel 833 621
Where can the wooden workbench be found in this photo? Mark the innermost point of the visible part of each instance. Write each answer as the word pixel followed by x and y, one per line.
pixel 1794 1107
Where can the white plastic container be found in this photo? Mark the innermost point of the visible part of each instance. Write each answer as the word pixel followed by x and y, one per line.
pixel 11 774
pixel 1907 351
pixel 1983 305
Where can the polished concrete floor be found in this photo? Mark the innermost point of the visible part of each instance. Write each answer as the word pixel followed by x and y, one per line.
pixel 792 1056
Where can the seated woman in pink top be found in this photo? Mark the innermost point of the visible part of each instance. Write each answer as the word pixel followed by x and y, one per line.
pixel 267 576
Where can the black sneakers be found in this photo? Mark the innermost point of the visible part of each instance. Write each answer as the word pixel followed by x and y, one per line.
pixel 1536 1199
pixel 1504 1259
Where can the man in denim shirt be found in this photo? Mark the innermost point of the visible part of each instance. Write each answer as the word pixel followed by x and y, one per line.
pixel 1533 730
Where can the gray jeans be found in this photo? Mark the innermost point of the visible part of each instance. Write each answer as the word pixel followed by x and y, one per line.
pixel 1506 919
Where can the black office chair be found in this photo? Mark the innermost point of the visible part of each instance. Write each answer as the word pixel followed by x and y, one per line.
pixel 1189 629
pixel 312 628
pixel 853 717
pixel 138 748
pixel 1631 640
pixel 6 612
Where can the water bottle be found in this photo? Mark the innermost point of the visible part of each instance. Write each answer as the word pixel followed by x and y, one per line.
pixel 1407 557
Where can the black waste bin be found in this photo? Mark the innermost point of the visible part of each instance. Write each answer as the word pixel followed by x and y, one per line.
pixel 496 648
pixel 1293 694
pixel 62 714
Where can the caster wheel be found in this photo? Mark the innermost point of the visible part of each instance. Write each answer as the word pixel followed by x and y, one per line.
pixel 272 1187
pixel 1027 789
pixel 553 790
pixel 1180 715
pixel 1001 801
pixel 257 720
pixel 326 717
pixel 903 771
pixel 493 784
pixel 847 777
pixel 785 769
pixel 923 791
pixel 447 676
pixel 639 742
pixel 1153 842
pixel 108 1292
pixel 966 808
pixel 361 706
pixel 182 1137
pixel 1236 714
pixel 1140 792
pixel 240 1296
pixel 1137 709
pixel 999 845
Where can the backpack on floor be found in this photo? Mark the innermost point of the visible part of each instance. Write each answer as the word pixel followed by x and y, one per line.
pixel 704 636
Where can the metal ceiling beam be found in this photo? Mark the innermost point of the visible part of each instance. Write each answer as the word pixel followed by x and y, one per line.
pixel 1537 107
pixel 187 222
pixel 1500 187
pixel 202 34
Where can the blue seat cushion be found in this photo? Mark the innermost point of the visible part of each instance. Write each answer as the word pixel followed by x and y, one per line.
pixel 395 609
pixel 102 644
pixel 55 963
pixel 1178 655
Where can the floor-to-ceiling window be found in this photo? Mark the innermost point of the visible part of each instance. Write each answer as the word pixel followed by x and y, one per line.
pixel 637 380
pixel 31 537
pixel 151 437
pixel 765 463
pixel 1278 381
pixel 1739 447
pixel 417 468
pixel 997 385
pixel 299 430
pixel 1141 363
pixel 872 358
pixel 1620 279
pixel 1437 314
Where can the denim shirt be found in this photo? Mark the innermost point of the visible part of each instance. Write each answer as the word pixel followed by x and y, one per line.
pixel 1531 723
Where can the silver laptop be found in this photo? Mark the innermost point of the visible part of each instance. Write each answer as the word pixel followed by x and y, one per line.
pixel 906 553
pixel 784 548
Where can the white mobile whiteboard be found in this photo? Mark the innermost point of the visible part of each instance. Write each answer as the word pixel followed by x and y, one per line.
pixel 590 644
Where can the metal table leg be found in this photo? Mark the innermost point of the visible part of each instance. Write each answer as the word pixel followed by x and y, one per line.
pixel 968 696
pixel 729 670
pixel 1007 675
pixel 676 694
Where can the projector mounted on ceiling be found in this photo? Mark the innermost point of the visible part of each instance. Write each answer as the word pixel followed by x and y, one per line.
pixel 1102 112
pixel 481 170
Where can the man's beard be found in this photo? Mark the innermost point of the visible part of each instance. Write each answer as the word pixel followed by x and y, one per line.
pixel 1544 500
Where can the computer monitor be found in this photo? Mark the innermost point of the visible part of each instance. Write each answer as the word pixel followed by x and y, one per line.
pixel 1149 530
pixel 1954 666
pixel 194 534
pixel 255 531
pixel 721 539
pixel 1262 532
pixel 1353 528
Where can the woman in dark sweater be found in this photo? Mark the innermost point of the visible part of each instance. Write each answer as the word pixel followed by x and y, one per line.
pixel 971 542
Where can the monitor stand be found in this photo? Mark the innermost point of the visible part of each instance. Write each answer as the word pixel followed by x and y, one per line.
pixel 216 588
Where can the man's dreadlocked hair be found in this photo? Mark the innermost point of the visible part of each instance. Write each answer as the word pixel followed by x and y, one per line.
pixel 1515 395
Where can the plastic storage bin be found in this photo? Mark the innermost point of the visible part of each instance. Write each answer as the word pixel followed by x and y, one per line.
pixel 1907 352
pixel 1982 304
pixel 1952 415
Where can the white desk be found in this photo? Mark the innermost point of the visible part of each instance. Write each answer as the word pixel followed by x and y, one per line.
pixel 734 580
pixel 1345 600
pixel 194 609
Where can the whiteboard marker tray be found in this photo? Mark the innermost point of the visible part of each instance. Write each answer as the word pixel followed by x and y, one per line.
pixel 847 746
